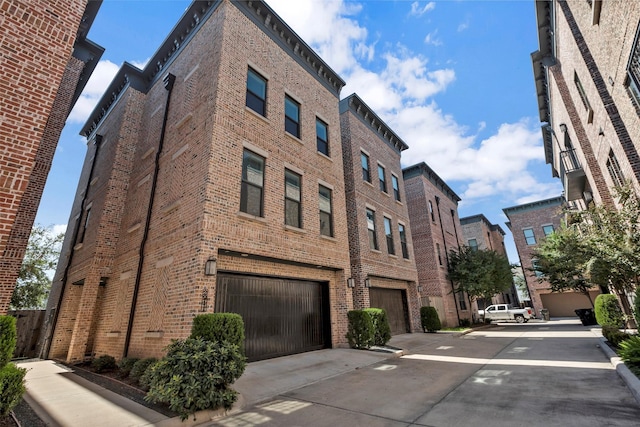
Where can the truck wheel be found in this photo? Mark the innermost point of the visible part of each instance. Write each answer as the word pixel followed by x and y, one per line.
pixel 520 319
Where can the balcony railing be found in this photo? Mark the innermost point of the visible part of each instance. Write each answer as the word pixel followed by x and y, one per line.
pixel 573 176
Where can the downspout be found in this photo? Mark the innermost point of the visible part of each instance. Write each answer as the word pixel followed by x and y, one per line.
pixel 446 256
pixel 45 353
pixel 168 81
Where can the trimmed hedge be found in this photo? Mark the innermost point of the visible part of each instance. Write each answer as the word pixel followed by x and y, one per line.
pixel 11 387
pixel 138 369
pixel 8 339
pixel 219 327
pixel 608 311
pixel 629 351
pixel 614 335
pixel 195 375
pixel 429 319
pixel 381 328
pixel 360 333
pixel 104 363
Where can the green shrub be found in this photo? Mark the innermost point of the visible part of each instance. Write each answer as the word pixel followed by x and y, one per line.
pixel 636 306
pixel 145 379
pixel 219 327
pixel 7 339
pixel 608 311
pixel 629 351
pixel 360 332
pixel 381 328
pixel 11 387
pixel 429 319
pixel 614 335
pixel 125 365
pixel 104 363
pixel 196 374
pixel 138 368
pixel 465 323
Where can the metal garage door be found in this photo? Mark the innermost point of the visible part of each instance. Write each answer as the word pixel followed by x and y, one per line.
pixel 281 316
pixel 564 304
pixel 394 302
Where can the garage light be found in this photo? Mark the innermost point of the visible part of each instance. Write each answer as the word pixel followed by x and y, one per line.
pixel 367 283
pixel 351 283
pixel 210 267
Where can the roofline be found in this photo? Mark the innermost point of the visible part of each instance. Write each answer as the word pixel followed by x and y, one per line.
pixel 540 204
pixel 480 217
pixel 423 169
pixel 359 108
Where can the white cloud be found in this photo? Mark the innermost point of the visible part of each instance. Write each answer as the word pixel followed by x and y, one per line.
pixel 416 10
pixel 140 64
pixel 93 91
pixel 59 228
pixel 432 39
pixel 463 26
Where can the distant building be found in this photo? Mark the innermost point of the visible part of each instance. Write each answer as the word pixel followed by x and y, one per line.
pixel 383 265
pixel 46 62
pixel 435 228
pixel 478 232
pixel 530 223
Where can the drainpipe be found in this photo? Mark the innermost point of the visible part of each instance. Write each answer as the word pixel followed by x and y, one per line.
pixel 446 256
pixel 44 353
pixel 168 81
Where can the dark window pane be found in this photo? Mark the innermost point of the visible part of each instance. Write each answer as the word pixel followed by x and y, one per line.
pixel 292 213
pixel 251 202
pixel 382 179
pixel 326 220
pixel 364 160
pixel 252 183
pixel 292 117
pixel 371 228
pixel 256 92
pixel 292 205
pixel 389 235
pixel 322 137
pixel 396 187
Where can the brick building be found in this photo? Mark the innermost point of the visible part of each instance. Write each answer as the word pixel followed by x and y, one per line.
pixel 478 232
pixel 213 181
pixel 530 223
pixel 435 228
pixel 383 265
pixel 587 74
pixel 46 62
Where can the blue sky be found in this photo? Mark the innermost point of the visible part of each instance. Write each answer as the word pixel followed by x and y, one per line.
pixel 452 78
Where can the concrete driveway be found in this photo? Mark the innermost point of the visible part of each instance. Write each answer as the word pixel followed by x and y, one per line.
pixel 534 374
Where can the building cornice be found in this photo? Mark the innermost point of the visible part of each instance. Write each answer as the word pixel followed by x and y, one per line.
pixel 367 116
pixel 478 218
pixel 540 204
pixel 422 169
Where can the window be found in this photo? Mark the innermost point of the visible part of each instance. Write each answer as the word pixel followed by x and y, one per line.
pixel 322 137
pixel 256 92
pixel 403 241
pixel 292 199
pixel 529 236
pixel 614 170
pixel 364 160
pixel 547 229
pixel 473 244
pixel 433 217
pixel 371 229
pixel 633 73
pixel 396 187
pixel 439 254
pixel 462 301
pixel 536 268
pixel 292 116
pixel 252 183
pixel 583 97
pixel 326 217
pixel 85 225
pixel 382 179
pixel 389 234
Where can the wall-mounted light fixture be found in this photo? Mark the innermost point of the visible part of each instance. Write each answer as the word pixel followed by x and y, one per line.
pixel 563 127
pixel 367 283
pixel 210 267
pixel 351 283
pixel 419 288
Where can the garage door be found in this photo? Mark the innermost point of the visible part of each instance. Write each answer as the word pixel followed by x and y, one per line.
pixel 394 302
pixel 281 316
pixel 563 304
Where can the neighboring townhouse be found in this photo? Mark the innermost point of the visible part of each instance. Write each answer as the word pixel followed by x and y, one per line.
pixel 587 74
pixel 45 63
pixel 435 229
pixel 529 224
pixel 383 268
pixel 479 233
pixel 213 182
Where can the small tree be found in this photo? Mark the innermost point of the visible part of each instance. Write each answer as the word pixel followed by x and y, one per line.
pixel 429 319
pixel 607 311
pixel 40 259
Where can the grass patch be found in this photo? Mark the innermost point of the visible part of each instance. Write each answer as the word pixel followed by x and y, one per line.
pixel 456 329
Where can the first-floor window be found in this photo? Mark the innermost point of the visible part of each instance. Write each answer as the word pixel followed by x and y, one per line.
pixel 389 235
pixel 371 229
pixel 462 301
pixel 292 199
pixel 252 183
pixel 326 217
pixel 438 253
pixel 403 241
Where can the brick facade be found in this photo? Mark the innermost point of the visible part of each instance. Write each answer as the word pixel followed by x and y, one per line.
pixel 38 91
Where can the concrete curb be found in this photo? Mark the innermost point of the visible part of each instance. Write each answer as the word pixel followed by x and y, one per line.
pixel 627 376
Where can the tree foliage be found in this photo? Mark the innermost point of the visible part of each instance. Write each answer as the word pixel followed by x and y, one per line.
pixel 40 259
pixel 480 273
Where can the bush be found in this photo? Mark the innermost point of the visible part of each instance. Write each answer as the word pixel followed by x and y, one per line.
pixel 145 379
pixel 636 306
pixel 196 374
pixel 608 311
pixel 614 335
pixel 11 387
pixel 7 339
pixel 219 327
pixel 429 319
pixel 630 351
pixel 104 363
pixel 125 365
pixel 381 328
pixel 465 323
pixel 360 332
pixel 138 368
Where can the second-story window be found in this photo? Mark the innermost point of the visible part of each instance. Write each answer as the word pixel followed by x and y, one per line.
pixel 371 229
pixel 292 199
pixel 85 225
pixel 382 179
pixel 438 253
pixel 389 235
pixel 529 236
pixel 291 116
pixel 322 137
pixel 403 241
pixel 252 184
pixel 326 215
pixel 396 187
pixel 583 97
pixel 256 92
pixel 431 213
pixel 614 170
pixel 473 244
pixel 366 171
pixel 547 229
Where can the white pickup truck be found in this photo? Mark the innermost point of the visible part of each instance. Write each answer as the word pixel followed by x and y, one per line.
pixel 506 312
